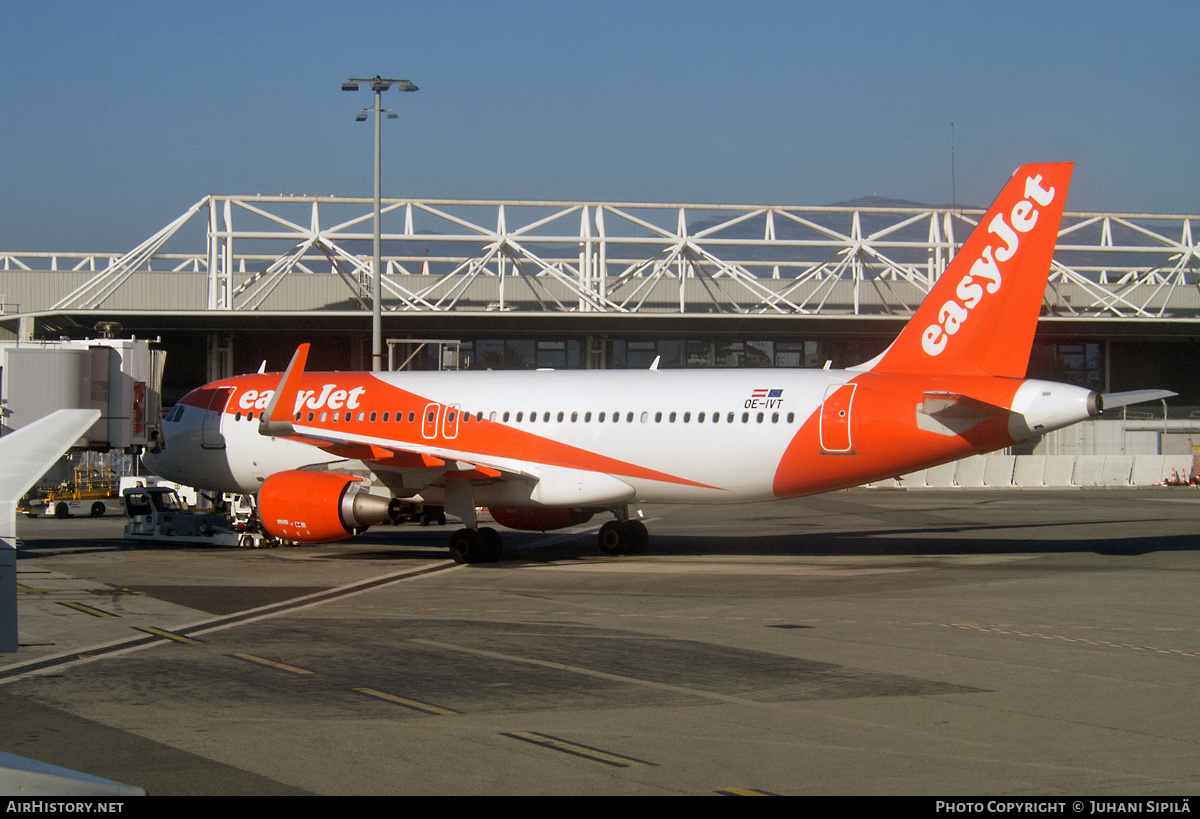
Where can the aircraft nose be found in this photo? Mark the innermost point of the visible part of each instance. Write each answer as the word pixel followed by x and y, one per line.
pixel 152 460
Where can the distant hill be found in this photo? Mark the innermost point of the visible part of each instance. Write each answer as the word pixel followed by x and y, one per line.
pixel 884 202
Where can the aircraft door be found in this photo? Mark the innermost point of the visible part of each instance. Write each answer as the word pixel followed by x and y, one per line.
pixel 835 419
pixel 429 421
pixel 210 432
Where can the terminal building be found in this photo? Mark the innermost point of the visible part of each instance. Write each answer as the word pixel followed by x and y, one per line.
pixel 236 281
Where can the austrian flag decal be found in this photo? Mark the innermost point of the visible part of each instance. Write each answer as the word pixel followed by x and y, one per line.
pixel 765 399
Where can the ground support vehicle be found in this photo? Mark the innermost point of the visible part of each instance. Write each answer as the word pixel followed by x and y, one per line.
pixel 155 513
pixel 88 492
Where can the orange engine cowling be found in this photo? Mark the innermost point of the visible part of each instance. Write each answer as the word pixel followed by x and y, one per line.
pixel 317 507
pixel 538 519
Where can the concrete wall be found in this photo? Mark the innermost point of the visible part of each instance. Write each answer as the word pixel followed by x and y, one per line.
pixel 998 471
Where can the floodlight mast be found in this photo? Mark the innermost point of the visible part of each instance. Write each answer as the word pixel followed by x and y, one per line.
pixel 378 85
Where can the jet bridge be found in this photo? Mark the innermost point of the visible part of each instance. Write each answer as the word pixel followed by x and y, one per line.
pixel 122 378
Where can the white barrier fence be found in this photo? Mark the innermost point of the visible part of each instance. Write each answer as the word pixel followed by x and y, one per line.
pixel 1033 471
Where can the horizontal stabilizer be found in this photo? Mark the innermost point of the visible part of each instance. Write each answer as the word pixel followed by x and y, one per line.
pixel 1112 400
pixel 949 413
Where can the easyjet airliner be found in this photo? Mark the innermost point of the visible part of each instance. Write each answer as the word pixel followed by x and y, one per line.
pixel 331 453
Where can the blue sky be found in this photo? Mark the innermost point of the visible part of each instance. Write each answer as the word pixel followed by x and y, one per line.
pixel 118 116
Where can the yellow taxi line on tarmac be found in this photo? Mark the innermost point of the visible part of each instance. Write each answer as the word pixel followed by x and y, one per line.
pixel 574 748
pixel 416 705
pixel 86 609
pixel 170 635
pixel 742 792
pixel 264 661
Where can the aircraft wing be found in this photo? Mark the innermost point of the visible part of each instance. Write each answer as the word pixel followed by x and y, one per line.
pixel 551 481
pixel 277 421
pixel 26 455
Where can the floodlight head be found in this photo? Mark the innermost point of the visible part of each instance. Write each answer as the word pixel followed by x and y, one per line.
pixel 362 117
pixel 349 86
pixel 392 115
pixel 380 85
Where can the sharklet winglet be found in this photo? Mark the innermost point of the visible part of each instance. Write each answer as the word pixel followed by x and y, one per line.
pixel 277 418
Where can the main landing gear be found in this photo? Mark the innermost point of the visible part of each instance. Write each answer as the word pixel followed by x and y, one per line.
pixel 623 537
pixel 475 545
pixel 480 544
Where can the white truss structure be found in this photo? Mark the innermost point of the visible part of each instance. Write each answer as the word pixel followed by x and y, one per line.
pixel 264 253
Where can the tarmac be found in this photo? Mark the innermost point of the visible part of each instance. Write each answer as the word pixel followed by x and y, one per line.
pixel 937 642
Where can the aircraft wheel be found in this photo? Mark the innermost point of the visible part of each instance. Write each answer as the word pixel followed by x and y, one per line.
pixel 615 538
pixel 466 546
pixel 98 509
pixel 491 545
pixel 61 510
pixel 639 536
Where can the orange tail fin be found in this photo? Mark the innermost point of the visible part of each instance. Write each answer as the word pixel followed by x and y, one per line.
pixel 980 316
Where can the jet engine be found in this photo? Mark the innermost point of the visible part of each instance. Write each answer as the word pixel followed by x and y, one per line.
pixel 317 507
pixel 538 519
